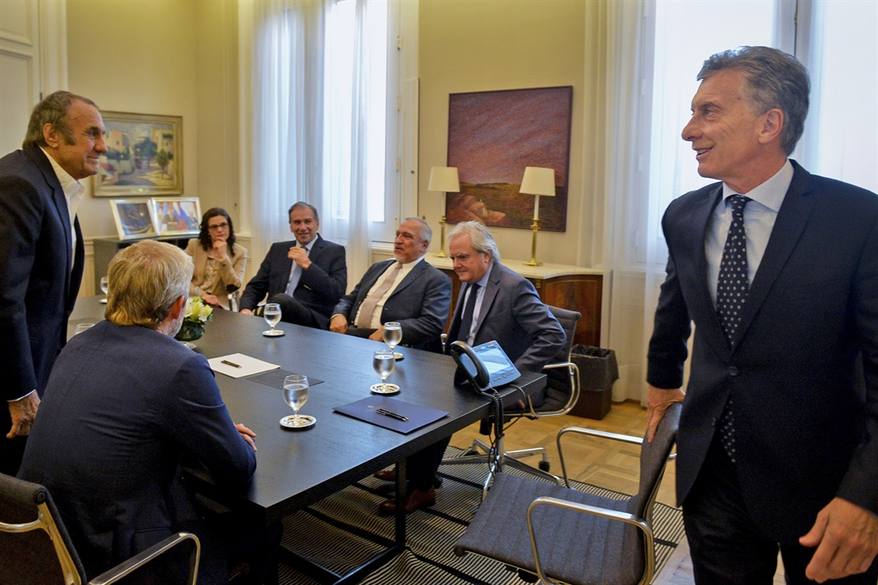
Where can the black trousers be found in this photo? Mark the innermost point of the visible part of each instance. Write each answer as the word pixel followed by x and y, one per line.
pixel 294 311
pixel 728 547
pixel 421 467
pixel 11 450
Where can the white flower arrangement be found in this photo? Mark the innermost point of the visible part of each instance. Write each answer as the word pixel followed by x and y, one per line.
pixel 197 311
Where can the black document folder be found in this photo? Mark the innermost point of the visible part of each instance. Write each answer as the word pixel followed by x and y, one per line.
pixel 367 410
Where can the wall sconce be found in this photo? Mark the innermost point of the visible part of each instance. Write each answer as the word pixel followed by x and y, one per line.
pixel 537 181
pixel 443 179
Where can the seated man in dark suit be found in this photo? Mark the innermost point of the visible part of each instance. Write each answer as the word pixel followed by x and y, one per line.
pixel 407 290
pixel 125 403
pixel 495 303
pixel 306 276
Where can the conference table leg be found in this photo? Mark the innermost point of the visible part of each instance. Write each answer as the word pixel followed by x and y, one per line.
pixel 357 574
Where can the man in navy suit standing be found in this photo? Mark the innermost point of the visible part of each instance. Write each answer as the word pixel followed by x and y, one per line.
pixel 41 253
pixel 407 290
pixel 305 276
pixel 778 269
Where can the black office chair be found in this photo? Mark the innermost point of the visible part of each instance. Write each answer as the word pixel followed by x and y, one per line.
pixel 38 551
pixel 562 392
pixel 564 535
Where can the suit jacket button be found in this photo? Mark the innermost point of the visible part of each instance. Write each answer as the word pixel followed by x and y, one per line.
pixel 734 371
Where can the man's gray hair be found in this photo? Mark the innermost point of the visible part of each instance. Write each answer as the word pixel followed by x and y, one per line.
pixel 426 234
pixel 775 80
pixel 145 281
pixel 52 110
pixel 481 238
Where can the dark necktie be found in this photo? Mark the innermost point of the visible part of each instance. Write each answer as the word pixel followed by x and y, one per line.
pixel 466 320
pixel 731 293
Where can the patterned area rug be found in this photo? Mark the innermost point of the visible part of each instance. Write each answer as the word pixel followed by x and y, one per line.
pixel 341 531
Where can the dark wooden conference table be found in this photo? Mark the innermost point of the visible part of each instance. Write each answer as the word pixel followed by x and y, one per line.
pixel 298 468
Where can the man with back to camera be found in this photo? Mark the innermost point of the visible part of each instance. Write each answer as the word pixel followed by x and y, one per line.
pixel 407 290
pixel 778 269
pixel 41 252
pixel 305 276
pixel 495 303
pixel 135 402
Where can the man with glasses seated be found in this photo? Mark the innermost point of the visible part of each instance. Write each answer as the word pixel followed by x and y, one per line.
pixel 407 290
pixel 495 303
pixel 306 276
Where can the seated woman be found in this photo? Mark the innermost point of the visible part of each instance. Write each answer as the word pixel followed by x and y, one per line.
pixel 219 261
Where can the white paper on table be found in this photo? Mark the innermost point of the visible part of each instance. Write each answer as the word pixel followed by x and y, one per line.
pixel 245 365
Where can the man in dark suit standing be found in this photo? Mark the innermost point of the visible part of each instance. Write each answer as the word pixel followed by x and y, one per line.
pixel 41 252
pixel 305 276
pixel 778 269
pixel 407 290
pixel 134 402
pixel 495 303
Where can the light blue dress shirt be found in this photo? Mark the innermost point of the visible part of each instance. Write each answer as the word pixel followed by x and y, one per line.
pixel 296 272
pixel 759 217
pixel 477 309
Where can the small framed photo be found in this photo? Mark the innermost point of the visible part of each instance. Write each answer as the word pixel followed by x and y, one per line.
pixel 175 216
pixel 133 218
pixel 144 156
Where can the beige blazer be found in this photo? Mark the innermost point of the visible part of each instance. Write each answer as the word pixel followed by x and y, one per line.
pixel 230 271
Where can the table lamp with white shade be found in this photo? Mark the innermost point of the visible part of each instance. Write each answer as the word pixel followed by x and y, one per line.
pixel 443 179
pixel 537 181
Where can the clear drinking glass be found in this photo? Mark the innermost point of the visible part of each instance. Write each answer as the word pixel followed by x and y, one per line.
pixel 393 336
pixel 272 315
pixel 296 390
pixel 383 363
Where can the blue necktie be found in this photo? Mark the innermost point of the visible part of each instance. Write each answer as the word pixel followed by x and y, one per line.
pixel 731 293
pixel 295 274
pixel 466 320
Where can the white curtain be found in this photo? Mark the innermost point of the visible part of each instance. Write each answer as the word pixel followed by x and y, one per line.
pixel 629 87
pixel 308 130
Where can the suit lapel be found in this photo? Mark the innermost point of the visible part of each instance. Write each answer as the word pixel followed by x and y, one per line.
pixel 58 199
pixel 489 296
pixel 791 221
pixel 369 281
pixel 709 326
pixel 413 275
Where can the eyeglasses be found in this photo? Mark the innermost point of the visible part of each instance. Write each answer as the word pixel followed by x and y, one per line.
pixel 218 226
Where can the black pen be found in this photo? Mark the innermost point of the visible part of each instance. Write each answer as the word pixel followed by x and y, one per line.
pixel 228 363
pixel 391 414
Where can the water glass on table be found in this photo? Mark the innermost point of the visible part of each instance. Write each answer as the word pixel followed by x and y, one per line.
pixel 272 314
pixel 393 337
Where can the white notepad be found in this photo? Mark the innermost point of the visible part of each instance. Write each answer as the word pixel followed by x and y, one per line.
pixel 238 365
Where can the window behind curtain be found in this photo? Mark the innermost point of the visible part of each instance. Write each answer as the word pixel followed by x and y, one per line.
pixel 343 46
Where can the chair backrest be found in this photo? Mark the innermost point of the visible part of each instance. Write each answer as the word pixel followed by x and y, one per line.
pixel 562 388
pixel 31 532
pixel 653 458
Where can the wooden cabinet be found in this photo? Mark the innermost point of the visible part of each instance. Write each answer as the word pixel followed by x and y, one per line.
pixel 106 248
pixel 569 287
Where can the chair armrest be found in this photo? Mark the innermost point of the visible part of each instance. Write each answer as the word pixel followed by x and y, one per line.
pixel 575 386
pixel 577 430
pixel 144 557
pixel 612 515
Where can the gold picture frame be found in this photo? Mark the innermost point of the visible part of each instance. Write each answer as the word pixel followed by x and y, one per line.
pixel 144 156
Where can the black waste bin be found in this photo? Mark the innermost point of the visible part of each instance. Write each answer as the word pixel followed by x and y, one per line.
pixel 597 372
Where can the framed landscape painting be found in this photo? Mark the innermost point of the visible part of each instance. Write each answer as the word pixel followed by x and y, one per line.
pixel 144 156
pixel 492 137
pixel 176 216
pixel 133 218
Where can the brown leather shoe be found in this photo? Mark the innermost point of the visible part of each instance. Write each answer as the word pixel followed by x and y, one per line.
pixel 415 501
pixel 385 474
